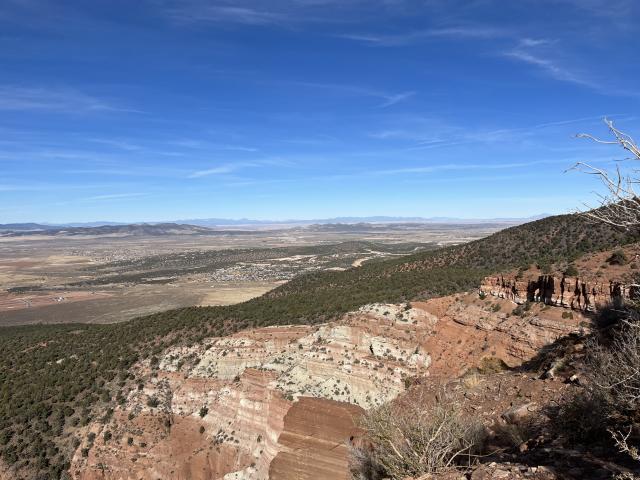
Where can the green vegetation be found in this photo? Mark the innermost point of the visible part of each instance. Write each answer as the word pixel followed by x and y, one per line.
pixel 571 271
pixel 617 258
pixel 521 310
pixel 55 378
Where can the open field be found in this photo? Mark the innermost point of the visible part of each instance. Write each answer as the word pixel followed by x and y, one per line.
pixel 105 279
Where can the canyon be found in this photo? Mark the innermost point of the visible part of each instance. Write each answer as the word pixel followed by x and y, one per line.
pixel 283 402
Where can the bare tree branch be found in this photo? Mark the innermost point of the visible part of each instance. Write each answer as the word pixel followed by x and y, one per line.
pixel 620 205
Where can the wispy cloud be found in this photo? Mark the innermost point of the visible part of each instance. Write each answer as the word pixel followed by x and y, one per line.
pixel 120 144
pixel 564 66
pixel 430 133
pixel 559 70
pixel 53 99
pixel 534 42
pixel 461 166
pixel 402 39
pixel 195 12
pixel 221 170
pixel 280 13
pixel 112 196
pixel 552 68
pixel 388 99
pixel 204 144
pixel 620 13
pixel 128 171
pixel 228 168
pixel 393 99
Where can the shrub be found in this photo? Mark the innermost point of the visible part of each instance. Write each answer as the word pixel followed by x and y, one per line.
pixel 581 417
pixel 471 380
pixel 608 316
pixel 203 411
pixel 615 369
pixel 153 402
pixel 511 435
pixel 410 440
pixel 571 271
pixel 522 309
pixel 610 401
pixel 617 258
pixel 490 365
pixel 545 267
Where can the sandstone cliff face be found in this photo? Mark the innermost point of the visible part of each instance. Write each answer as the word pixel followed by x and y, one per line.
pixel 281 402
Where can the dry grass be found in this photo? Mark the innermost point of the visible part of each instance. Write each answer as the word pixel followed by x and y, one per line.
pixel 471 380
pixel 492 365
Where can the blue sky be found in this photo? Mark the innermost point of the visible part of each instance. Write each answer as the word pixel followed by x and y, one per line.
pixel 164 109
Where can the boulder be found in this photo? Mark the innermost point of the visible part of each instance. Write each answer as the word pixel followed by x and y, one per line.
pixel 519 413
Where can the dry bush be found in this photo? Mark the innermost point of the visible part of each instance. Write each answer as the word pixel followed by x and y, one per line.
pixel 582 417
pixel 410 439
pixel 512 435
pixel 615 368
pixel 471 380
pixel 490 365
pixel 609 405
pixel 622 442
pixel 615 372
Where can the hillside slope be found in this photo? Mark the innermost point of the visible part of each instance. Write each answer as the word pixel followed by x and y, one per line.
pixel 55 378
pixel 440 272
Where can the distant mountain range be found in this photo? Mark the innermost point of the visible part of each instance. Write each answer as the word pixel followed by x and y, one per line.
pixel 205 226
pixel 23 229
pixel 217 222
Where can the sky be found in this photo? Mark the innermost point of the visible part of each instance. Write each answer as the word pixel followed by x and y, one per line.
pixel 157 110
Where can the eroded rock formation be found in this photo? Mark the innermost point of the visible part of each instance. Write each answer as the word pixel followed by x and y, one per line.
pixel 266 403
pixel 281 402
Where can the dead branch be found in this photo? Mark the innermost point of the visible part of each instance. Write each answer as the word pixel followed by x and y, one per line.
pixel 620 205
